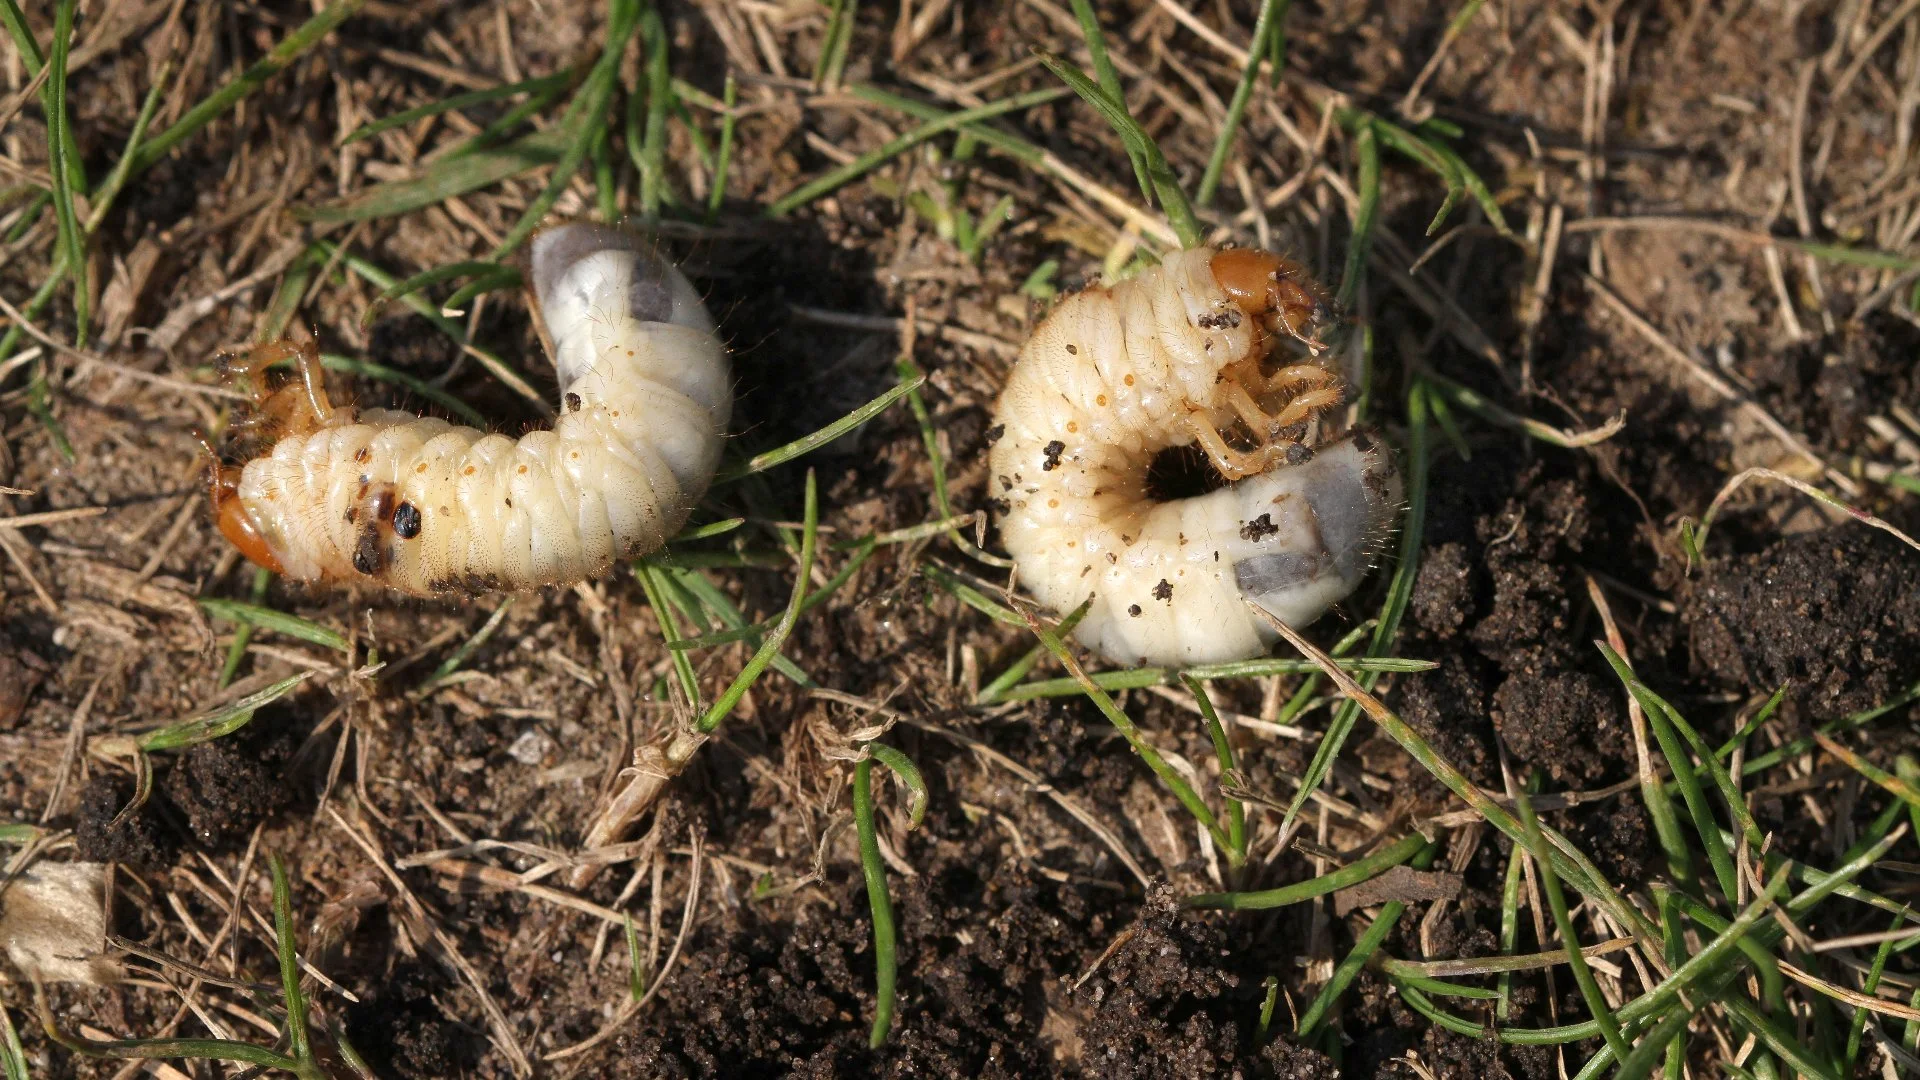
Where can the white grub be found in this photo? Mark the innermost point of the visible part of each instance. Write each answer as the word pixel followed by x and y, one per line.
pixel 422 506
pixel 53 922
pixel 1176 356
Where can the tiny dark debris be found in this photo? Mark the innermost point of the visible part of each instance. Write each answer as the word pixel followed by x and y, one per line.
pixel 1259 528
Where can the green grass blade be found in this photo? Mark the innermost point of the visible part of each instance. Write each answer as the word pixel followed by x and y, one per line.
pixel 1444 988
pixel 909 774
pixel 243 630
pixel 885 960
pixel 278 621
pixel 458 657
pixel 1267 1005
pixel 1109 79
pixel 810 443
pixel 1269 28
pixel 457 102
pixel 1864 257
pixel 297 1033
pixel 1509 928
pixel 13 1059
pixel 1223 751
pixel 1759 720
pixel 149 1049
pixel 66 172
pixel 116 180
pixel 1716 771
pixel 31 309
pixel 1019 669
pixel 1909 770
pixel 861 553
pixel 724 706
pixel 1362 951
pixel 1576 959
pixel 911 376
pixel 705 596
pixel 1399 591
pixel 650 581
pixel 485 269
pixel 1709 968
pixel 1347 876
pixel 305 37
pixel 1366 152
pixel 1776 1038
pixel 1138 678
pixel 29 217
pixel 1569 861
pixel 217 723
pixel 291 291
pixel 970 596
pixel 1857 1026
pixel 511 120
pixel 709 530
pixel 40 403
pixel 32 59
pixel 443 179
pixel 1793 748
pixel 1680 763
pixel 1013 146
pixel 1128 730
pixel 605 186
pixel 1173 201
pixel 426 390
pixel 1456 171
pixel 873 159
pixel 636 973
pixel 583 120
pixel 831 64
pixel 1893 785
pixel 495 366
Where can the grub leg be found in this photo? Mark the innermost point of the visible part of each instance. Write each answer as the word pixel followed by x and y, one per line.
pixel 1233 464
pixel 1306 405
pixel 313 377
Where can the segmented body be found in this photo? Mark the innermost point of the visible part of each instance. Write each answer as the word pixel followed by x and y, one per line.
pixel 1176 356
pixel 422 506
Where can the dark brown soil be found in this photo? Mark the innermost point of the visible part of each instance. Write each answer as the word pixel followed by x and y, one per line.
pixel 1028 946
pixel 404 1032
pixel 1835 614
pixel 145 839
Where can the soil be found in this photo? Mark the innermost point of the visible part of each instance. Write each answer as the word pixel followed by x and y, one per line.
pixel 1834 615
pixel 1027 945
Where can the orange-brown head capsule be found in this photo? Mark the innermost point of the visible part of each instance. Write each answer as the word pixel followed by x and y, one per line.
pixel 1247 275
pixel 238 527
pixel 235 523
pixel 1271 288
